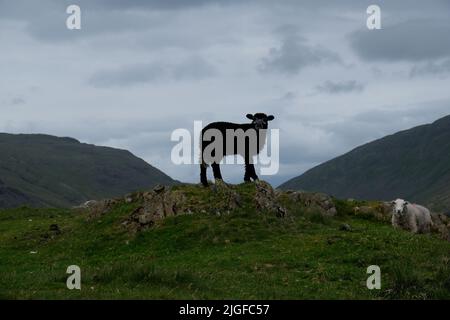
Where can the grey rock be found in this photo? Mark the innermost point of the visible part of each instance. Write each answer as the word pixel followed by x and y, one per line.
pixel 159 188
pixel 267 200
pixel 314 201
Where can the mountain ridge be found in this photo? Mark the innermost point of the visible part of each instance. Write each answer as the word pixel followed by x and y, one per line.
pixel 45 170
pixel 413 164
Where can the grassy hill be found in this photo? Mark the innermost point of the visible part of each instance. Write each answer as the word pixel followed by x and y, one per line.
pixel 243 252
pixel 42 170
pixel 412 164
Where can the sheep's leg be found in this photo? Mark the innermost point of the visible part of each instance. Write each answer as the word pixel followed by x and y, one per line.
pixel 203 178
pixel 394 221
pixel 247 175
pixel 216 171
pixel 413 224
pixel 254 175
pixel 250 172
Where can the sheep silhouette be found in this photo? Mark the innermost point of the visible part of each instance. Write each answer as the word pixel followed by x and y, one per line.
pixel 219 139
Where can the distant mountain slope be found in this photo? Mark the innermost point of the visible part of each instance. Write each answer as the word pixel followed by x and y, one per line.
pixel 50 171
pixel 413 164
pixel 10 197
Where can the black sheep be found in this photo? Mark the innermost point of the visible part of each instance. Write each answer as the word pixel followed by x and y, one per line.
pixel 248 141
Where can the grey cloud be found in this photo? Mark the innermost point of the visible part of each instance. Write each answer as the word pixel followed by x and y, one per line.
pixel 413 40
pixel 441 69
pixel 288 96
pixel 420 112
pixel 13 101
pixel 17 101
pixel 340 6
pixel 50 26
pixel 19 8
pixel 388 5
pixel 157 4
pixel 375 124
pixel 45 19
pixel 193 68
pixel 295 54
pixel 120 128
pixel 331 87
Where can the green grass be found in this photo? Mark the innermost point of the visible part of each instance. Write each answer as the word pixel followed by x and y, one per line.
pixel 241 255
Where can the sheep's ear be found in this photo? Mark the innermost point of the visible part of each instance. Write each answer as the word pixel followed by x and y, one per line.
pixel 250 116
pixel 406 203
pixel 270 118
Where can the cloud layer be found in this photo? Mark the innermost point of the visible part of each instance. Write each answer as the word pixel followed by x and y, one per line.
pixel 295 54
pixel 190 69
pixel 137 70
pixel 412 40
pixel 340 87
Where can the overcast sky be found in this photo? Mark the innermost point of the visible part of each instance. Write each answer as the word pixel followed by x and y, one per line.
pixel 139 69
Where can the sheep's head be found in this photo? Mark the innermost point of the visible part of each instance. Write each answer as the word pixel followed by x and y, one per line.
pixel 399 206
pixel 260 120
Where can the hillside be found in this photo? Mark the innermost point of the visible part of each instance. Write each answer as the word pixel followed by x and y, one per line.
pixel 10 197
pixel 43 170
pixel 222 242
pixel 413 164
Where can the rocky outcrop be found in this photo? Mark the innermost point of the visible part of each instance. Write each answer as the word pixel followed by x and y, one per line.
pixel 381 211
pixel 218 199
pixel 147 208
pixel 441 225
pixel 96 208
pixel 156 204
pixel 320 202
pixel 227 199
pixel 267 200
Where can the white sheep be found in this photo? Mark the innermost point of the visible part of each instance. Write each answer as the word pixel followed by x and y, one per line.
pixel 413 217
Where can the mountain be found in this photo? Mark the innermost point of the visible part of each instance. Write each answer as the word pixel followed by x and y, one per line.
pixel 43 170
pixel 10 197
pixel 413 164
